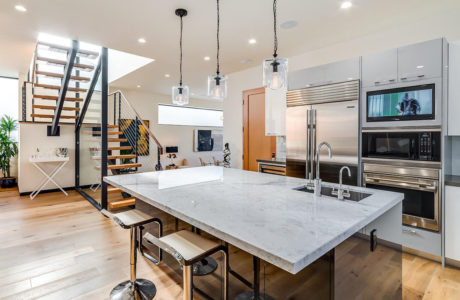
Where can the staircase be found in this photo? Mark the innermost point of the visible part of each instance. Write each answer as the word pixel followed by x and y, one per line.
pixel 60 77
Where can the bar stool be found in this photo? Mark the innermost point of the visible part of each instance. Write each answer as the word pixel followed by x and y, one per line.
pixel 188 248
pixel 134 288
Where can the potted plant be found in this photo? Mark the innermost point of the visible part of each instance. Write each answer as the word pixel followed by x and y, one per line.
pixel 8 150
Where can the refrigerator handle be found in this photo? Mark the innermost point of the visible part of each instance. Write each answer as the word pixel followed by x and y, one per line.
pixel 313 142
pixel 308 175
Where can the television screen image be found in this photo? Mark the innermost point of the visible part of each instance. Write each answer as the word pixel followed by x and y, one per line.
pixel 409 103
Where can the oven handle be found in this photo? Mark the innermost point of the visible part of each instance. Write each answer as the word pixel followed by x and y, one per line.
pixel 399 182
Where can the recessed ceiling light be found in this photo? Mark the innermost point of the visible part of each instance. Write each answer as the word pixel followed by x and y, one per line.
pixel 252 41
pixel 346 4
pixel 142 40
pixel 289 24
pixel 167 75
pixel 20 8
pixel 138 86
pixel 420 67
pixel 245 61
pixel 206 58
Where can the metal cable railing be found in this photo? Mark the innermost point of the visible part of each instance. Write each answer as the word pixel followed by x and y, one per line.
pixel 143 143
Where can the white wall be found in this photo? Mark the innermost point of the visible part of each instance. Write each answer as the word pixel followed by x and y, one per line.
pixel 435 26
pixel 146 104
pixel 33 136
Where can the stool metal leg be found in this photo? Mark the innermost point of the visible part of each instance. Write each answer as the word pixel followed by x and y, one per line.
pixel 133 289
pixel 188 283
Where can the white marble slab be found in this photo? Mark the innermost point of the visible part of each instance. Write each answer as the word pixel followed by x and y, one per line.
pixel 259 213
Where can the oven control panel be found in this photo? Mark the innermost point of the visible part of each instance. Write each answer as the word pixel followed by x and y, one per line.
pixel 425 146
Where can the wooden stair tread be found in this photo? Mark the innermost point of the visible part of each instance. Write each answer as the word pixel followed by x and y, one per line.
pixel 63 63
pixel 51 116
pixel 122 203
pixel 108 132
pixel 51 107
pixel 121 156
pixel 116 140
pixel 99 125
pixel 57 75
pixel 47 97
pixel 57 87
pixel 60 48
pixel 124 166
pixel 112 190
pixel 119 148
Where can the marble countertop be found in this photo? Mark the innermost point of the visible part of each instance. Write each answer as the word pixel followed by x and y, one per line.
pixel 453 180
pixel 258 213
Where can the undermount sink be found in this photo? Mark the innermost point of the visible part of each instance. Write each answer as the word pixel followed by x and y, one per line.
pixel 328 191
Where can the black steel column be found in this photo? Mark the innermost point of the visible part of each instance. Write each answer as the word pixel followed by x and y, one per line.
pixel 256 282
pixel 104 112
pixel 77 158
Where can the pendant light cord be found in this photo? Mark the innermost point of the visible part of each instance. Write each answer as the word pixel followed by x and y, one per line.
pixel 180 46
pixel 218 38
pixel 275 50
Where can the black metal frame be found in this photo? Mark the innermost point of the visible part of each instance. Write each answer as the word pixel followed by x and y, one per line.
pixel 102 67
pixel 64 85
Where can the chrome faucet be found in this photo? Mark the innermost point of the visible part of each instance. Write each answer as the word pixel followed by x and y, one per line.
pixel 318 179
pixel 340 192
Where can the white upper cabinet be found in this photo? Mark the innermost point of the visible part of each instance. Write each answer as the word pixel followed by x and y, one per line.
pixel 453 111
pixel 380 68
pixel 325 74
pixel 420 61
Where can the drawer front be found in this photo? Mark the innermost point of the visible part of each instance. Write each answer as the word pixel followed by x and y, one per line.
pixel 421 240
pixel 270 169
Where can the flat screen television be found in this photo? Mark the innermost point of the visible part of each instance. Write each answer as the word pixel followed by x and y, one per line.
pixel 401 104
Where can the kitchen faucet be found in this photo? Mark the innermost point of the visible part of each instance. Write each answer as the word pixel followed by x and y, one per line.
pixel 318 179
pixel 340 191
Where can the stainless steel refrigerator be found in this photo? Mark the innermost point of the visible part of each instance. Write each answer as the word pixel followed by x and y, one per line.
pixel 323 113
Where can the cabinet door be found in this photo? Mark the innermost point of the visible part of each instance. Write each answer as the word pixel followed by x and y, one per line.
pixel 306 77
pixel 420 61
pixel 452 222
pixel 454 90
pixel 340 71
pixel 380 68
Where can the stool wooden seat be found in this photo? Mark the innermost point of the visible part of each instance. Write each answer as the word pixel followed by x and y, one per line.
pixel 188 248
pixel 134 288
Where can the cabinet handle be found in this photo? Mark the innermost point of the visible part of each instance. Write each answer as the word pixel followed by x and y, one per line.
pixel 421 76
pixel 377 82
pixel 391 80
pixel 409 231
pixel 403 78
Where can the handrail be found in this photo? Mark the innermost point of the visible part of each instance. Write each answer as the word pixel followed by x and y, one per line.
pixel 160 147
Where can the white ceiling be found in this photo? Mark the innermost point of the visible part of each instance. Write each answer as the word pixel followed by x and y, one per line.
pixel 118 24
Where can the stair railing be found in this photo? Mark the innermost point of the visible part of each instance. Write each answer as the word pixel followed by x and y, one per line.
pixel 125 115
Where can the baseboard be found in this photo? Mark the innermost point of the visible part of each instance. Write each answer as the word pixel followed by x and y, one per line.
pixel 55 190
pixel 423 254
pixel 453 263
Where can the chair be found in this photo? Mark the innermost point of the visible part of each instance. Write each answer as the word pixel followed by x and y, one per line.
pixel 188 248
pixel 134 288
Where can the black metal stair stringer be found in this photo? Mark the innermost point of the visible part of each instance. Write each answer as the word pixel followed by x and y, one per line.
pixel 64 85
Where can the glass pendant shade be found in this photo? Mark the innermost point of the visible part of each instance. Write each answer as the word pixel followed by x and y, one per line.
pixel 275 72
pixel 180 95
pixel 217 86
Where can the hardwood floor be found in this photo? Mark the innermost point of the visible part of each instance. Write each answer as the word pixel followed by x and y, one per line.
pixel 57 247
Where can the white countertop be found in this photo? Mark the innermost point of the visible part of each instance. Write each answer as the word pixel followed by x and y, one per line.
pixel 48 159
pixel 258 213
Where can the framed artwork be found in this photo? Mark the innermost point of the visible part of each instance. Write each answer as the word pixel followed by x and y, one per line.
pixel 135 130
pixel 208 140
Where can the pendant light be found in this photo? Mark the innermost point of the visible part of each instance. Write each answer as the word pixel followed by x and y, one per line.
pixel 275 69
pixel 180 93
pixel 217 83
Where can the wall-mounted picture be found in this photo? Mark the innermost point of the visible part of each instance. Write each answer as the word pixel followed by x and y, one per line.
pixel 208 140
pixel 135 133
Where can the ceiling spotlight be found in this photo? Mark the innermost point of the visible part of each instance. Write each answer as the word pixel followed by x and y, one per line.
pixel 245 61
pixel 206 58
pixel 252 41
pixel 142 40
pixel 167 75
pixel 138 86
pixel 20 8
pixel 346 4
pixel 289 24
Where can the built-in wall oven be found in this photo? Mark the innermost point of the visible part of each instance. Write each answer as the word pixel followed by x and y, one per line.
pixel 407 162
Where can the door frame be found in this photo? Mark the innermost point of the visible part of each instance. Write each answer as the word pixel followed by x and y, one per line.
pixel 246 95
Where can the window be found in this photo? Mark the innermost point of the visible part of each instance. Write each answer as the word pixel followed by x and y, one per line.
pixel 9 98
pixel 189 116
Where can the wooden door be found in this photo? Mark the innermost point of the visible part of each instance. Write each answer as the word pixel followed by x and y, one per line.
pixel 255 144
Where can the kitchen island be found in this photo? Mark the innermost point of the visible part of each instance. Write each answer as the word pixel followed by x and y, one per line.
pixel 294 231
